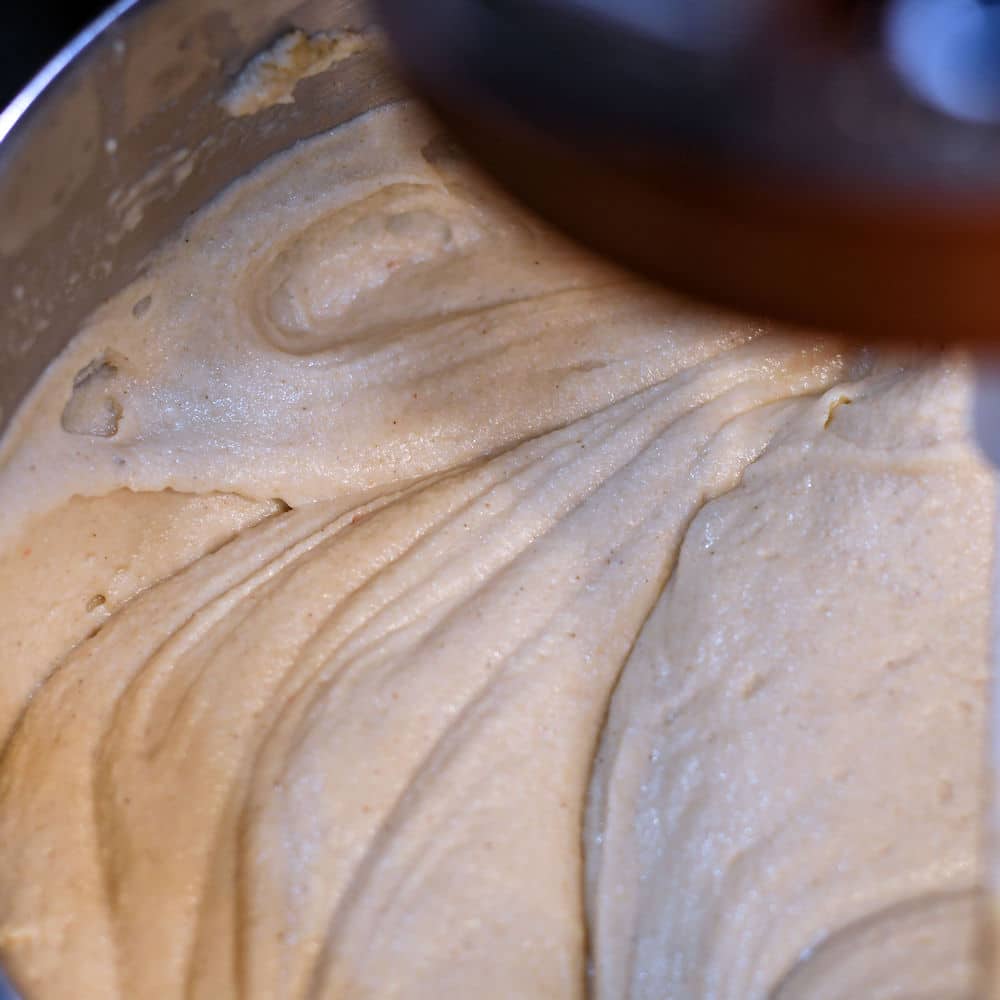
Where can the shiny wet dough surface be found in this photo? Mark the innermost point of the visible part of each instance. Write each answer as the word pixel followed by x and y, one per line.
pixel 398 603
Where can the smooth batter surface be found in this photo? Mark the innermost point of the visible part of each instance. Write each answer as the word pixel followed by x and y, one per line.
pixel 609 643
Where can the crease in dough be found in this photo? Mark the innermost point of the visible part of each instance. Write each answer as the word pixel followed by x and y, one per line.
pixel 69 570
pixel 795 739
pixel 392 713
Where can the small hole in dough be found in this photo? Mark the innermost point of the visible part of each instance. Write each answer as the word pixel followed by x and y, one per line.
pixel 142 306
pixel 93 409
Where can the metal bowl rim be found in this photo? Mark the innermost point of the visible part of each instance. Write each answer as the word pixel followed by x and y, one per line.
pixel 28 97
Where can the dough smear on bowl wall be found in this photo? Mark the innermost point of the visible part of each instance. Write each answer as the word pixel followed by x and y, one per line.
pixel 403 604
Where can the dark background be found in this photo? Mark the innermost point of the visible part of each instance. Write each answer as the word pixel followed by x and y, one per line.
pixel 32 31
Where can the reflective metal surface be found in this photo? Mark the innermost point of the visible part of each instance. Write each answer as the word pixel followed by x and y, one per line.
pixel 121 137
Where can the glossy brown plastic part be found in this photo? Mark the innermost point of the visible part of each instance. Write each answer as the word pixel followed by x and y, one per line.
pixel 877 269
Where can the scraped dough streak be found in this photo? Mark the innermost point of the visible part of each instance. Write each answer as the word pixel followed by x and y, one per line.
pixel 344 749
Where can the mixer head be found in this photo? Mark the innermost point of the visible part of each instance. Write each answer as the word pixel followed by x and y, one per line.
pixel 829 163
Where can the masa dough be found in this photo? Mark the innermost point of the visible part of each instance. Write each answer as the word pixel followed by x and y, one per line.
pixel 397 603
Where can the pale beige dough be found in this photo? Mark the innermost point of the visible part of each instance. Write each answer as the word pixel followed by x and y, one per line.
pixel 346 750
pixel 797 738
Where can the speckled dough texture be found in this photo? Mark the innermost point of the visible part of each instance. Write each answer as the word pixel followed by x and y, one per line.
pixel 397 603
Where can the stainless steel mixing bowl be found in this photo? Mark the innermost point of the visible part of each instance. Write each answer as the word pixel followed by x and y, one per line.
pixel 122 136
